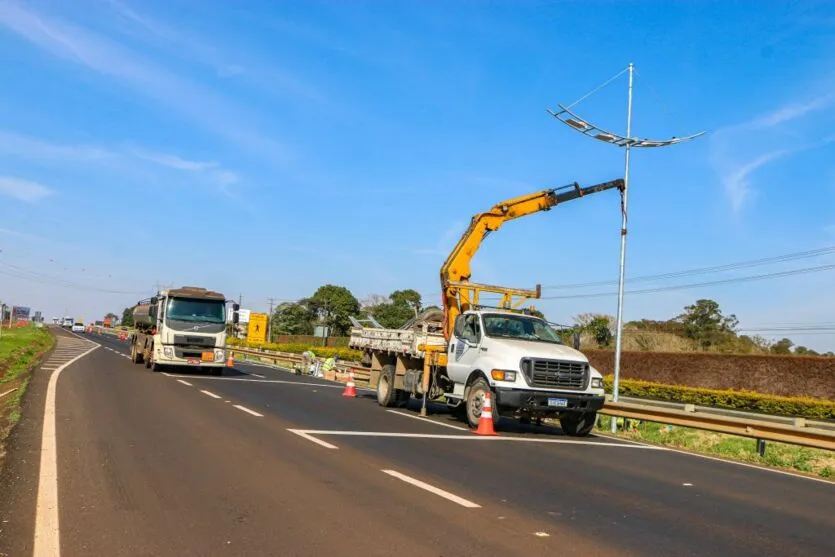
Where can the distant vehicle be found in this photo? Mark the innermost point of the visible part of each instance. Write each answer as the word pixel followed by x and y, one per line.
pixel 67 322
pixel 78 327
pixel 182 327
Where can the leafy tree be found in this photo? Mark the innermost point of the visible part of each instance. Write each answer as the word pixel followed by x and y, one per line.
pixel 536 313
pixel 802 350
pixel 127 317
pixel 397 309
pixel 782 346
pixel 333 305
pixel 598 325
pixel 292 318
pixel 705 323
pixel 407 297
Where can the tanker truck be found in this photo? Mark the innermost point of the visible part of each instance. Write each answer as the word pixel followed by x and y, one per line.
pixel 182 327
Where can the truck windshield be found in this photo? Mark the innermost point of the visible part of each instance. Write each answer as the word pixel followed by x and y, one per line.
pixel 520 327
pixel 196 311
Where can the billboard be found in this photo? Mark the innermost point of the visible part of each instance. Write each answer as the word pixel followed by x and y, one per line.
pixel 243 315
pixel 20 313
pixel 257 329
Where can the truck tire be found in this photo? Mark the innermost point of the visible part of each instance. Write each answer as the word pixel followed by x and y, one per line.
pixel 387 395
pixel 474 400
pixel 578 424
pixel 135 356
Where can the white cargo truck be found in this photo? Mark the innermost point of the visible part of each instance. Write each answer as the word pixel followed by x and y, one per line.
pixel 465 350
pixel 182 327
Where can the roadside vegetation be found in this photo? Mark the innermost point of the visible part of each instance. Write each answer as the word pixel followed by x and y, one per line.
pixel 815 462
pixel 21 350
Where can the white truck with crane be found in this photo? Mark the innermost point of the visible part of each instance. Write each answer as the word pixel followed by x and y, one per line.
pixel 457 354
pixel 182 327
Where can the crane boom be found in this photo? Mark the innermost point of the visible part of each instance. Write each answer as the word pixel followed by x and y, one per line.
pixel 458 293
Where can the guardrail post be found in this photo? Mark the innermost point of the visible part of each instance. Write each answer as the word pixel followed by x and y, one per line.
pixel 761 447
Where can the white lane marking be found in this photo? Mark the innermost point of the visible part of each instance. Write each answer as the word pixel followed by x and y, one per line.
pixel 432 489
pixel 421 418
pixel 258 375
pixel 184 382
pixel 10 391
pixel 47 533
pixel 278 381
pixel 541 534
pixel 687 485
pixel 209 393
pixel 737 463
pixel 313 439
pixel 247 410
pixel 474 437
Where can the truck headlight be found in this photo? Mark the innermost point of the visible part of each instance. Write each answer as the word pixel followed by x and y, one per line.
pixel 596 382
pixel 219 355
pixel 503 375
pixel 168 352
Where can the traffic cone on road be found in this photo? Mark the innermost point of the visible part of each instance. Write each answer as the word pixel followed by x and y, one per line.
pixel 230 362
pixel 350 388
pixel 485 422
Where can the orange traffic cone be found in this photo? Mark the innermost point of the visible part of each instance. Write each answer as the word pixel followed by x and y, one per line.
pixel 230 362
pixel 350 388
pixel 485 422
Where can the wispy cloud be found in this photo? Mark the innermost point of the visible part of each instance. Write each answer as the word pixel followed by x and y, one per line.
pixel 96 53
pixel 739 150
pixel 119 157
pixel 24 190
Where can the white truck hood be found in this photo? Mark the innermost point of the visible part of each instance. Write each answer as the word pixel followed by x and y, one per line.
pixel 516 349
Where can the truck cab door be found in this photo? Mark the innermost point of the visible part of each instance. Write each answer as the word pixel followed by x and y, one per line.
pixel 464 346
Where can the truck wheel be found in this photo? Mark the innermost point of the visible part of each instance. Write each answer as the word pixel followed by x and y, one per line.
pixel 474 399
pixel 578 424
pixel 386 395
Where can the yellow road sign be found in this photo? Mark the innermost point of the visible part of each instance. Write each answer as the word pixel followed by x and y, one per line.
pixel 257 329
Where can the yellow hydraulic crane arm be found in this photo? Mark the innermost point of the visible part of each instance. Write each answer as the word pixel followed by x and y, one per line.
pixel 457 292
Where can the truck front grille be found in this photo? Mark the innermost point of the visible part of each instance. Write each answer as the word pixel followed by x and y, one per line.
pixel 556 374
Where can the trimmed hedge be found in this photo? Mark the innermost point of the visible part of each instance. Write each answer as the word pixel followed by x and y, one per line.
pixel 796 407
pixel 320 351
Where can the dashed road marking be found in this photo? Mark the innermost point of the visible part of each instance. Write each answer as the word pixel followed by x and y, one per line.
pixel 184 382
pixel 432 489
pixel 209 393
pixel 247 410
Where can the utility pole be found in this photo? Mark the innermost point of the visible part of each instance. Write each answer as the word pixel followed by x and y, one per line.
pixel 586 128
pixel 270 322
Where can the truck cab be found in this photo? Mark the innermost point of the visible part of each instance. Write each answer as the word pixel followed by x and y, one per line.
pixel 530 372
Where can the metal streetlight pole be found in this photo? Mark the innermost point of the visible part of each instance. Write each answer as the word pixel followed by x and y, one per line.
pixel 569 118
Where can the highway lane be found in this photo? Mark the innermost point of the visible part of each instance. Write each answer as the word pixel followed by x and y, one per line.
pixel 150 466
pixel 629 497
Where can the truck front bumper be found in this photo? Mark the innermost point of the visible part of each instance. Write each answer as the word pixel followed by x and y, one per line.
pixel 547 402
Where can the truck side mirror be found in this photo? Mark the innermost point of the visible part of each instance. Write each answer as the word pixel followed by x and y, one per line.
pixel 154 300
pixel 235 316
pixel 458 330
pixel 236 307
pixel 576 341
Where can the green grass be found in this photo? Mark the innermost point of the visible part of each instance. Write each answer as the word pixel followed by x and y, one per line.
pixel 817 462
pixel 20 349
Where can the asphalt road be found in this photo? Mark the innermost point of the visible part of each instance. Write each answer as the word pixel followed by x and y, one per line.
pixel 262 462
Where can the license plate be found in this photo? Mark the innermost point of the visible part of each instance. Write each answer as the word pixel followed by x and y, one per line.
pixel 559 402
pixel 207 356
pixel 193 361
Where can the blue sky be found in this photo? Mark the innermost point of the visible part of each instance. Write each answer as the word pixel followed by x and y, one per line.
pixel 265 148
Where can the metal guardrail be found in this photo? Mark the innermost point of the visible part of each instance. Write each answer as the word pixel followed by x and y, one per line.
pixel 798 434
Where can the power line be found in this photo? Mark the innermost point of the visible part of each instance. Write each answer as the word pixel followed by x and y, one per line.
pixel 750 278
pixel 42 278
pixel 706 270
